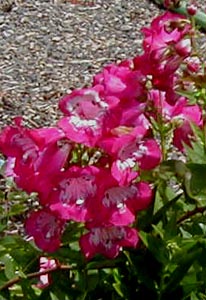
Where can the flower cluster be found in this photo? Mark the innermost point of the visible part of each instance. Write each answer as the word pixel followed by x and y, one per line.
pixel 88 167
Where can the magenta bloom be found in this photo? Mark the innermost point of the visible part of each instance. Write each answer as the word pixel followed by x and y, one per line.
pixel 108 241
pixel 166 45
pixel 145 152
pixel 20 142
pixel 120 203
pixel 76 188
pixel 46 229
pixel 117 205
pixel 35 154
pixel 162 39
pixel 16 141
pixel 41 176
pixel 88 114
pixel 123 171
pixel 130 115
pixel 90 167
pixel 181 114
pixel 121 81
pixel 129 148
pixel 184 133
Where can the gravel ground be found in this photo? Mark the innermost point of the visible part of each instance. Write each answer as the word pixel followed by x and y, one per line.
pixel 48 48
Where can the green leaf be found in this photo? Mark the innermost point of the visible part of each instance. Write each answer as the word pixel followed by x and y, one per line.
pixel 28 291
pixel 53 296
pixel 6 297
pixel 156 246
pixel 195 181
pixel 117 287
pixel 201 296
pixel 185 234
pixel 2 227
pixel 8 241
pixel 102 263
pixel 172 167
pixel 188 94
pixel 196 153
pixel 193 296
pixel 181 270
pixel 57 292
pixel 162 211
pixel 92 281
pixel 9 264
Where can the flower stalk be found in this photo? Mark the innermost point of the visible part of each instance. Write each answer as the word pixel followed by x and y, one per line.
pixel 200 17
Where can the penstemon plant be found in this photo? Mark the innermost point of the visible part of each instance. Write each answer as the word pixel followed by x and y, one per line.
pixel 114 195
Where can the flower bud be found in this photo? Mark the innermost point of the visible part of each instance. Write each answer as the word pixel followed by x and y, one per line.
pixel 192 9
pixel 171 3
pixel 183 47
pixel 193 64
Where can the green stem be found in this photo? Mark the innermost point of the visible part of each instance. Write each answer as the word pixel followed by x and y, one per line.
pixel 16 279
pixel 100 265
pixel 191 213
pixel 204 137
pixel 200 17
pixel 161 130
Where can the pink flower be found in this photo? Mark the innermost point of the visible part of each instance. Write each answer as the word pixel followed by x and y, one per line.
pixel 181 114
pixel 117 205
pixel 184 133
pixel 88 114
pixel 9 169
pixel 122 202
pixel 146 152
pixel 46 229
pixel 130 148
pixel 76 188
pixel 15 141
pixel 158 41
pixel 108 241
pixel 131 115
pixel 46 264
pixel 170 21
pixel 124 133
pixel 41 175
pixel 165 31
pixel 34 153
pixel 121 81
pixel 166 45
pixel 123 171
pixel 20 142
pixel 161 75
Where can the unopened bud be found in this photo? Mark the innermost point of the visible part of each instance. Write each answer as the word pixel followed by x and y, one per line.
pixel 183 47
pixel 192 9
pixel 171 3
pixel 193 64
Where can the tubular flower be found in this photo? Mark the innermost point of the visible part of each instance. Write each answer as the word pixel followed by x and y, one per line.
pixel 108 241
pixel 88 114
pixel 76 188
pixel 46 228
